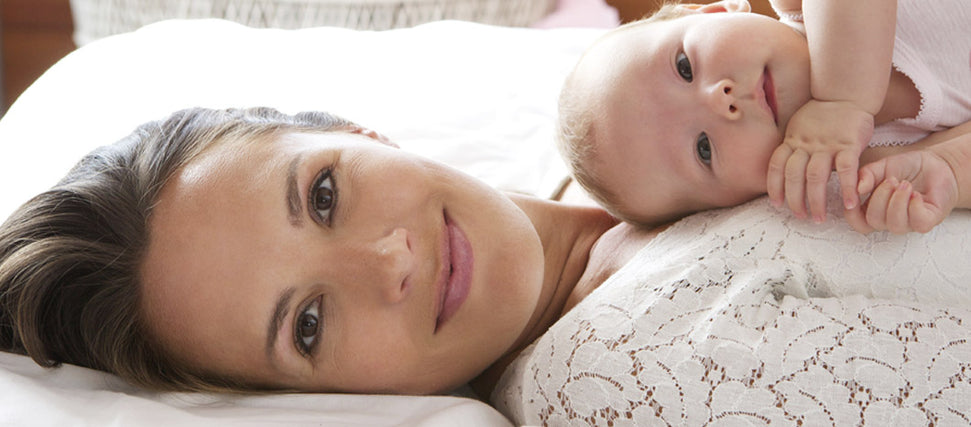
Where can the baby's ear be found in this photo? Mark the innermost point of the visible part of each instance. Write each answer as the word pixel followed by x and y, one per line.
pixel 373 135
pixel 718 6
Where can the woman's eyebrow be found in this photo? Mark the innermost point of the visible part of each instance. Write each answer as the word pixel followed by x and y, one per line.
pixel 276 319
pixel 294 205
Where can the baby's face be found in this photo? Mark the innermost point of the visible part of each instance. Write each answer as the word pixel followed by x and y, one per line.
pixel 688 111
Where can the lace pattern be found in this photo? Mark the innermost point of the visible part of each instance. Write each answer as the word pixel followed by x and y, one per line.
pixel 749 316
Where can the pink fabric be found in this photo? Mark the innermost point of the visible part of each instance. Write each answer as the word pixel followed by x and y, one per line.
pixel 580 13
pixel 930 47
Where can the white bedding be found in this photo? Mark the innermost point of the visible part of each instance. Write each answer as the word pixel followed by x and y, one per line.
pixel 480 98
pixel 74 396
pixel 748 316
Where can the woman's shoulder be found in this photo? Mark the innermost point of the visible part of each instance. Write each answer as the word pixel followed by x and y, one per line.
pixel 612 250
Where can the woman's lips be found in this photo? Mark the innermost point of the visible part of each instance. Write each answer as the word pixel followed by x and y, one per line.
pixel 458 261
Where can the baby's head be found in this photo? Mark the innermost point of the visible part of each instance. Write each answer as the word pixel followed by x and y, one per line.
pixel 681 112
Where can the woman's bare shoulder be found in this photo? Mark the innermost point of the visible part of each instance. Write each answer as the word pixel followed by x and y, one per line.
pixel 613 250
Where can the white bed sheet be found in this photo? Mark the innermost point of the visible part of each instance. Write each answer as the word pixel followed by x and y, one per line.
pixel 480 98
pixel 74 396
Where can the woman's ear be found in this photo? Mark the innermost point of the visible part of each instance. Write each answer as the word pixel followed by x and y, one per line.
pixel 373 135
pixel 716 7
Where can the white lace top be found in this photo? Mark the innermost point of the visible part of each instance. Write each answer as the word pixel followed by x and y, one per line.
pixel 750 316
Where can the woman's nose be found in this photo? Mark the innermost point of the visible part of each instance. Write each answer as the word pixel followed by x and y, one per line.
pixel 722 99
pixel 388 262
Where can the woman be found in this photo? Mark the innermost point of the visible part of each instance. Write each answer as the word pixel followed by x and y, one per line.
pixel 248 249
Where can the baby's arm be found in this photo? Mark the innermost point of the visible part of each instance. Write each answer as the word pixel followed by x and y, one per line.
pixel 914 189
pixel 850 48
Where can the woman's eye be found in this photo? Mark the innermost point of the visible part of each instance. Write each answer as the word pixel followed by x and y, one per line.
pixel 307 328
pixel 684 66
pixel 704 149
pixel 323 197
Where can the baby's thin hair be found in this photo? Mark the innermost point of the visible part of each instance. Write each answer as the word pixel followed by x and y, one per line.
pixel 575 135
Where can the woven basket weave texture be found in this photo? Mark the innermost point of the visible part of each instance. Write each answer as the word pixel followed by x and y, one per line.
pixel 94 19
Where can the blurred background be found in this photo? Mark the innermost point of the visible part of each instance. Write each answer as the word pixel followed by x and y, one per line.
pixel 34 34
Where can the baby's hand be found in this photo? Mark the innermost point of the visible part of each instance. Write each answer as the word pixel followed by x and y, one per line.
pixel 820 136
pixel 911 191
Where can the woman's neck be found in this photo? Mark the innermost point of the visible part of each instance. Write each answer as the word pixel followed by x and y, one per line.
pixel 567 232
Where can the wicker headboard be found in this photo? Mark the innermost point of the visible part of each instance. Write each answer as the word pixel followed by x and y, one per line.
pixel 94 19
pixel 630 10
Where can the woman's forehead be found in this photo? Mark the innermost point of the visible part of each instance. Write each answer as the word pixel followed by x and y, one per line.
pixel 259 150
pixel 202 276
pixel 325 139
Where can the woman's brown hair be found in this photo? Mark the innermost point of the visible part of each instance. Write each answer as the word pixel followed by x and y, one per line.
pixel 70 257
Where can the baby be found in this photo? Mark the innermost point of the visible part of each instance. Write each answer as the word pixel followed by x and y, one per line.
pixel 704 106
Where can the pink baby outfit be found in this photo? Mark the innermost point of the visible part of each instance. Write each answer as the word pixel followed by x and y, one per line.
pixel 932 47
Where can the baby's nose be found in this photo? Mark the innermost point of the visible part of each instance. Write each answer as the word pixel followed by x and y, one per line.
pixel 722 99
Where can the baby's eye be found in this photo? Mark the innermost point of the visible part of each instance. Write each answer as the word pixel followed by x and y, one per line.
pixel 684 66
pixel 704 148
pixel 323 197
pixel 307 328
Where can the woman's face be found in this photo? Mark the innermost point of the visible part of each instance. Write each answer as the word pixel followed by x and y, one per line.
pixel 332 262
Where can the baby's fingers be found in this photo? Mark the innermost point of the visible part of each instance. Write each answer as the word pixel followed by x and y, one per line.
pixel 795 178
pixel 856 217
pixel 817 175
pixel 847 168
pixel 898 219
pixel 923 216
pixel 877 205
pixel 776 178
pixel 870 175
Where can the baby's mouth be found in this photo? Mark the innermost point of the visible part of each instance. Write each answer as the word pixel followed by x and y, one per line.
pixel 768 87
